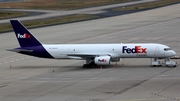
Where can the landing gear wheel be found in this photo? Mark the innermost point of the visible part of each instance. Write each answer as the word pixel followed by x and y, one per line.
pixel 92 64
pixel 85 65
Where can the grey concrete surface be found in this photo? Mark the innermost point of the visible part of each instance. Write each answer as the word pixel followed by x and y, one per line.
pixel 52 13
pixel 25 78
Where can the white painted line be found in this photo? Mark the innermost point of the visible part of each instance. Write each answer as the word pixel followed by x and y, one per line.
pixel 138 76
pixel 45 78
pixel 162 75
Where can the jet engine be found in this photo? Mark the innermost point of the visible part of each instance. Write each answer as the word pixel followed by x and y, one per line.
pixel 102 60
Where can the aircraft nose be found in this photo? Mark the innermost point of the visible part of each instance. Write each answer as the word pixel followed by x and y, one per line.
pixel 173 53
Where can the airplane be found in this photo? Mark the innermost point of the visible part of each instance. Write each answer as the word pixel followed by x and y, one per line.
pixel 94 54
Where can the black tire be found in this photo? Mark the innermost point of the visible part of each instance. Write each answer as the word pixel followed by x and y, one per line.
pixel 85 66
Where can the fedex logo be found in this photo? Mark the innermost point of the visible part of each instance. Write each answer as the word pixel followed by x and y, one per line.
pixel 101 60
pixel 136 49
pixel 23 36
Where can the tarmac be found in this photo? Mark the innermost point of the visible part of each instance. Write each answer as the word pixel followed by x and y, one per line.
pixel 26 78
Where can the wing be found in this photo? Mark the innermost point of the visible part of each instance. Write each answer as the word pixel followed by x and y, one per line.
pixel 87 55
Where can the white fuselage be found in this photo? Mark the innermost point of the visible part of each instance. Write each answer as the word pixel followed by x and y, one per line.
pixel 80 51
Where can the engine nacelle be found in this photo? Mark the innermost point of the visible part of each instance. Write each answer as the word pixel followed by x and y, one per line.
pixel 102 60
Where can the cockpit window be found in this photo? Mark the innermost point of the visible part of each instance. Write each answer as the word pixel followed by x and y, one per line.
pixel 166 49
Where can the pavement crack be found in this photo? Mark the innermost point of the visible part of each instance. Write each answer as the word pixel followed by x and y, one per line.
pixel 128 88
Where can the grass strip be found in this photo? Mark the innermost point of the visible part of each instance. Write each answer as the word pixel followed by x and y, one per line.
pixel 146 6
pixel 59 4
pixel 49 21
pixel 11 14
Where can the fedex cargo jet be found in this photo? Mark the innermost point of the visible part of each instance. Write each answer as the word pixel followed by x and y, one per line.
pixel 94 54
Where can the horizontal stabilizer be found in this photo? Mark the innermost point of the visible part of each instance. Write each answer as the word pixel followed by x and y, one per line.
pixel 19 50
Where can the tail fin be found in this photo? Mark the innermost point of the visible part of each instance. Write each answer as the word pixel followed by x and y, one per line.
pixel 25 38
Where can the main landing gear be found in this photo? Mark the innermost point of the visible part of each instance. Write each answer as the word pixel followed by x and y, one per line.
pixel 89 64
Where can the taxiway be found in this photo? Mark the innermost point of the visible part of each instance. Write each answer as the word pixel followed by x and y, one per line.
pixel 24 78
pixel 42 14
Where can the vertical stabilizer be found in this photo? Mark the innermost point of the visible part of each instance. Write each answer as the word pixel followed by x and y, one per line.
pixel 25 38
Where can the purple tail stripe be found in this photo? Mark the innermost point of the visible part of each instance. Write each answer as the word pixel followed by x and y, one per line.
pixel 28 41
